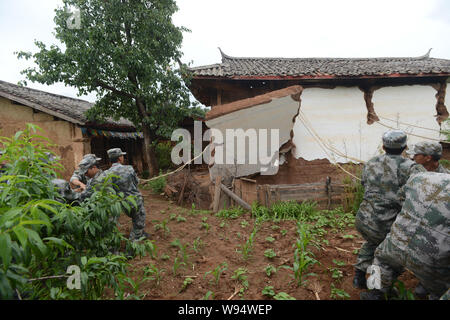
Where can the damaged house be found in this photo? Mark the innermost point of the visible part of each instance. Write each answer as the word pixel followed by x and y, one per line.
pixel 329 112
pixel 64 123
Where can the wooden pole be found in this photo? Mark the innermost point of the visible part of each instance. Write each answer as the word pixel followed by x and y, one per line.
pixel 233 196
pixel 217 193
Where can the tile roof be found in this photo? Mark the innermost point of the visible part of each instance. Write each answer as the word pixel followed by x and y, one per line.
pixel 62 107
pixel 241 68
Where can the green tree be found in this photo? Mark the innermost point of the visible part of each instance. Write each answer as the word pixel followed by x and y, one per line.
pixel 128 52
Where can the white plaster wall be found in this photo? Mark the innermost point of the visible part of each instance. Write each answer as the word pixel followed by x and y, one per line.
pixel 278 114
pixel 339 116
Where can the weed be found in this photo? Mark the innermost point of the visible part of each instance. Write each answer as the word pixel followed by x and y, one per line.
pixel 163 226
pixel 270 254
pixel 222 224
pixel 336 273
pixel 337 293
pixel 173 216
pixel 205 226
pixel 339 263
pixel 157 185
pixel 165 257
pixel 197 244
pixel 268 291
pixel 275 227
pixel 283 232
pixel 240 275
pixel 244 223
pixel 208 295
pixel 402 292
pixel 270 239
pixel 283 296
pixel 231 213
pixel 270 269
pixel 186 283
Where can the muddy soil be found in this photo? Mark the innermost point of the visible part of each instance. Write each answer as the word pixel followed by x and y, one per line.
pixel 212 241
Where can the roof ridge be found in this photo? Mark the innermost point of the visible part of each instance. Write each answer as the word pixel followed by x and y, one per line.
pixel 422 57
pixel 45 92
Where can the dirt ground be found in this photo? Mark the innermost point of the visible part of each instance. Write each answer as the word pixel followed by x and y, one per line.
pixel 211 240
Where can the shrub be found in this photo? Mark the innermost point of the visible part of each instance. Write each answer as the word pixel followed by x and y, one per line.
pixel 157 185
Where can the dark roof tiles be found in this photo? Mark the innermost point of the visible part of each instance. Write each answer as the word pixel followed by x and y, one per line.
pixel 233 67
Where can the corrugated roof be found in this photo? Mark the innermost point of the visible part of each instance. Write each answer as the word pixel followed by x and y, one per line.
pixel 242 67
pixel 62 107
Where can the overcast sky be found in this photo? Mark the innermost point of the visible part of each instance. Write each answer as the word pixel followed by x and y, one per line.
pixel 258 28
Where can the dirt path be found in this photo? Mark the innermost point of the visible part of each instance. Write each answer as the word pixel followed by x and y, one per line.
pixel 210 241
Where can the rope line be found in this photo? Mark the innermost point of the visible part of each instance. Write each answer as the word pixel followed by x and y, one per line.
pixel 408 124
pixel 412 134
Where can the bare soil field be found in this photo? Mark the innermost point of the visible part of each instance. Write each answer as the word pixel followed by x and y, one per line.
pixel 193 245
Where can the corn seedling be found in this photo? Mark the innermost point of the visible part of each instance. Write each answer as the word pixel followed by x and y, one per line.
pixel 163 226
pixel 218 271
pixel 247 247
pixel 176 265
pixel 302 256
pixel 197 244
pixel 152 272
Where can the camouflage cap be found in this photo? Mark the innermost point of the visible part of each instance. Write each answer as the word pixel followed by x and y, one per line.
pixel 428 148
pixel 394 139
pixel 115 153
pixel 86 164
pixel 91 155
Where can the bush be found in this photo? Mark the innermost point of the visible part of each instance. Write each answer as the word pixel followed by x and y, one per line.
pixel 41 236
pixel 157 185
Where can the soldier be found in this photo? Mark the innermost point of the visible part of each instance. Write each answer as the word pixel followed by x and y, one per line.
pixel 419 239
pixel 383 178
pixel 78 181
pixel 65 192
pixel 128 184
pixel 88 167
pixel 428 154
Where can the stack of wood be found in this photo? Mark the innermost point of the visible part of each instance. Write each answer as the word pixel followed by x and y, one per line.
pixel 189 187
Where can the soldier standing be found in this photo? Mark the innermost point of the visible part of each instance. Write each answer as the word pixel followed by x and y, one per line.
pixel 128 184
pixel 383 178
pixel 419 239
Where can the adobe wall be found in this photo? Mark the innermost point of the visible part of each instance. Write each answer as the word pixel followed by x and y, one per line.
pixel 70 144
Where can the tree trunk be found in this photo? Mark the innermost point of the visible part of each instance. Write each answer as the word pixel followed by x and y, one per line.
pixel 149 153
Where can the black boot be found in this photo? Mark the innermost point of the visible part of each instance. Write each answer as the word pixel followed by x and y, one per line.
pixel 359 281
pixel 372 295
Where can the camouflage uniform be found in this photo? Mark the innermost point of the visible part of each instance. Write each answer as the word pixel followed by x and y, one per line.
pixel 128 184
pixel 65 192
pixel 419 239
pixel 98 178
pixel 429 148
pixel 78 173
pixel 383 177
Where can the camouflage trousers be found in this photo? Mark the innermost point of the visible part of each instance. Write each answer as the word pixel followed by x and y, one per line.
pixel 372 229
pixel 138 219
pixel 393 261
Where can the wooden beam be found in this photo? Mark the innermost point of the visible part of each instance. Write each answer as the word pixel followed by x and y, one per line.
pixel 233 196
pixel 217 193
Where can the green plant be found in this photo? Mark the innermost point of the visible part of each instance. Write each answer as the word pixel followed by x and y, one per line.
pixel 268 291
pixel 181 219
pixel 165 257
pixel 337 293
pixel 283 296
pixel 402 293
pixel 158 185
pixel 206 226
pixel 162 152
pixel 186 283
pixel 336 273
pixel 208 295
pixel 283 232
pixel 240 275
pixel 177 263
pixel 247 247
pixel 172 216
pixel 339 263
pixel 270 254
pixel 197 244
pixel 270 269
pixel 164 226
pixel 230 213
pixel 270 239
pixel 41 235
pixel 218 271
pixel 152 272
pixel 303 258
pixel 244 223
